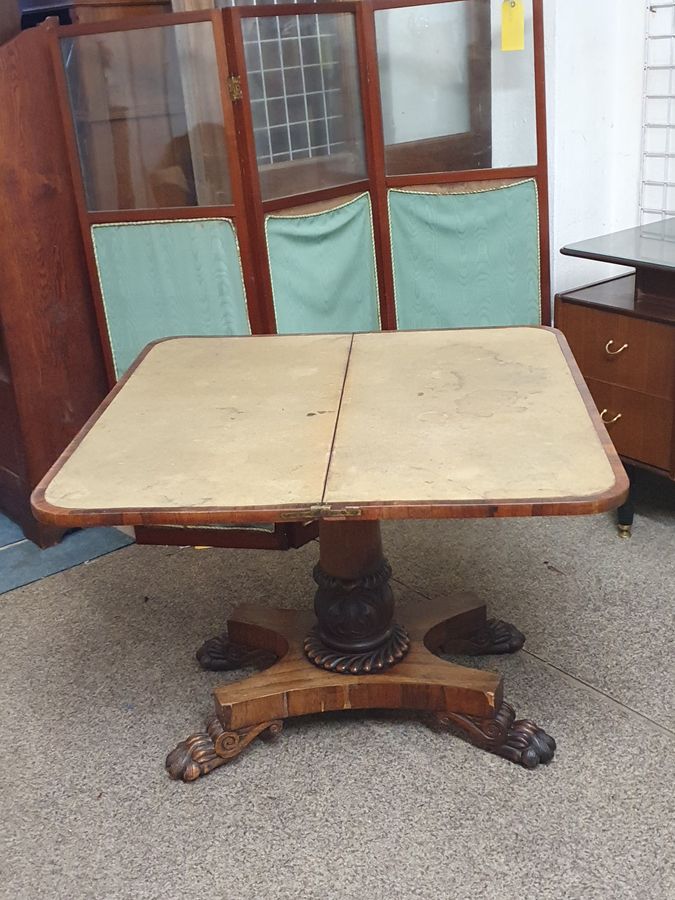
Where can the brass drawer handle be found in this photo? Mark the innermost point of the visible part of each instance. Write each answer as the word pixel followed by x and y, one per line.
pixel 614 352
pixel 609 421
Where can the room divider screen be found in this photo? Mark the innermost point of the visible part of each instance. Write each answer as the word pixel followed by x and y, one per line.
pixel 330 166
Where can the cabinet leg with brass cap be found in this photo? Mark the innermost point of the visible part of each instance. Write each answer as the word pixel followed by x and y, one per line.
pixel 626 512
pixel 625 521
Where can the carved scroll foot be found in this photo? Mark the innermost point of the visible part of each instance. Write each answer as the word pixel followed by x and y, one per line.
pixel 220 654
pixel 203 752
pixel 494 636
pixel 520 741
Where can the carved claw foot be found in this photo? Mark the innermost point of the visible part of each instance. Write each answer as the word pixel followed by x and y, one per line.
pixel 527 744
pixel 202 753
pixel 520 741
pixel 495 636
pixel 197 755
pixel 220 654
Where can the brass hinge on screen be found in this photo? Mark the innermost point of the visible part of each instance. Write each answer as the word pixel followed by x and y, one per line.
pixel 234 87
pixel 322 511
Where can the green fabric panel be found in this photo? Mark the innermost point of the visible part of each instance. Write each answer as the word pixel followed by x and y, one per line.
pixel 323 270
pixel 466 260
pixel 162 279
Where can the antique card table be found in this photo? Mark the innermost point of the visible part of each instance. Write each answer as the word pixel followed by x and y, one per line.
pixel 349 430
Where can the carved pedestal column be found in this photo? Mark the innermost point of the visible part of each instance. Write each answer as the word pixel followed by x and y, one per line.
pixel 354 604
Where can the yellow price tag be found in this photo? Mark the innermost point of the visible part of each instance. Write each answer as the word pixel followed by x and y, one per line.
pixel 513 25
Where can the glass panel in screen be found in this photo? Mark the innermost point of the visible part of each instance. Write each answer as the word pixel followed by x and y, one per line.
pixel 148 117
pixel 451 98
pixel 304 87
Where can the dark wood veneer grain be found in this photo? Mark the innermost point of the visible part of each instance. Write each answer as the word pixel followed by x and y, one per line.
pixel 52 366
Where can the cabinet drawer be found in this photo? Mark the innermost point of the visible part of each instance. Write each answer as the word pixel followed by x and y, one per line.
pixel 644 431
pixel 647 362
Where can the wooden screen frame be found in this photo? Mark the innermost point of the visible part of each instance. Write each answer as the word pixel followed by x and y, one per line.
pixel 538 172
pixel 377 182
pixel 260 314
pixel 248 210
pixel 261 317
pixel 232 18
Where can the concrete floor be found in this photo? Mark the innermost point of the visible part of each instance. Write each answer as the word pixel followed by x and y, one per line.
pixel 98 681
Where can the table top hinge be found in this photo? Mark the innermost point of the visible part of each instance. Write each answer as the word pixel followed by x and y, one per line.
pixel 234 87
pixel 322 511
pixel 344 512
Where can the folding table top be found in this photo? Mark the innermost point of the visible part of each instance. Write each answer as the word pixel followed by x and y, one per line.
pixel 424 424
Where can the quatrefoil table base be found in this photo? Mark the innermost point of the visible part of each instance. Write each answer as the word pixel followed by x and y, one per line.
pixel 359 653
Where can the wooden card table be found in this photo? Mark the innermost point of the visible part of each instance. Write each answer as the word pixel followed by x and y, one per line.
pixel 349 430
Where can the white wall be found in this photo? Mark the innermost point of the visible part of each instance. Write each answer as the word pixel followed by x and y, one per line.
pixel 594 71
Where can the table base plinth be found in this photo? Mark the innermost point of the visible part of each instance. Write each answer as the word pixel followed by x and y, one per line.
pixel 450 696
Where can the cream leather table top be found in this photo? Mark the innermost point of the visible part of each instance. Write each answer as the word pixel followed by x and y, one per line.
pixel 382 425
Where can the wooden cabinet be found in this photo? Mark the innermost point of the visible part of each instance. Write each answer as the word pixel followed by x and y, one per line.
pixel 626 352
pixel 52 374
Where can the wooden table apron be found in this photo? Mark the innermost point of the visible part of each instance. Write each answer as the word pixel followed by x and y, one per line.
pixel 349 430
